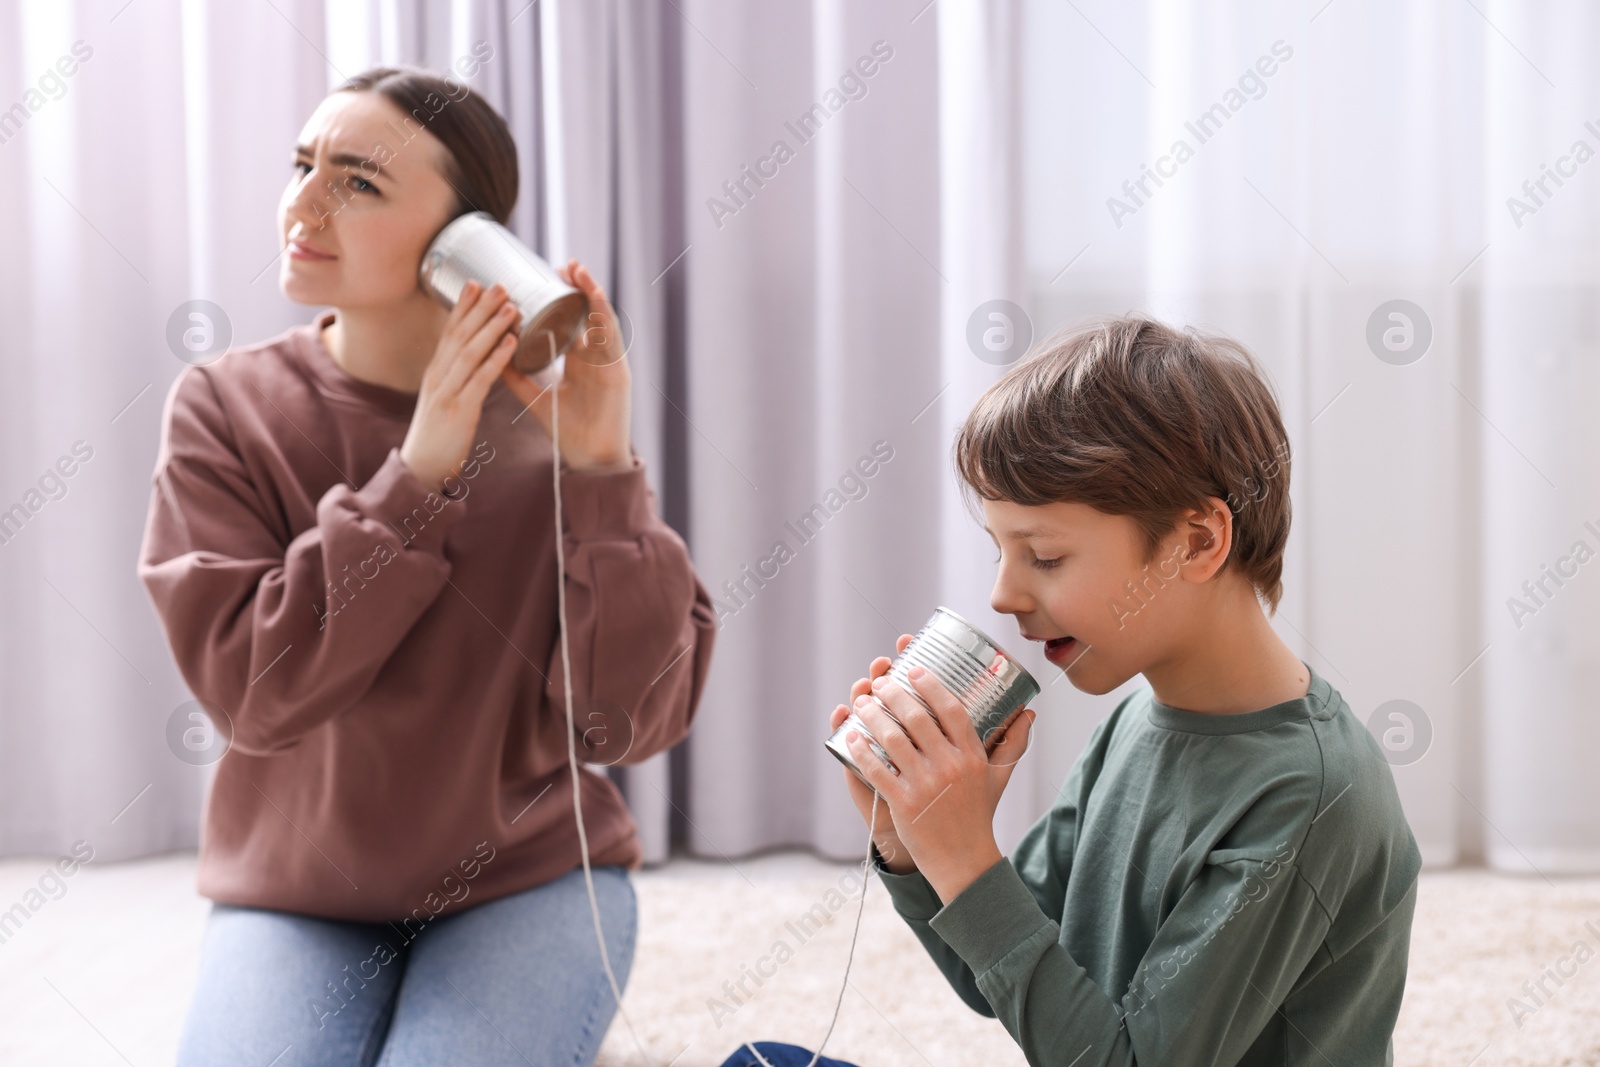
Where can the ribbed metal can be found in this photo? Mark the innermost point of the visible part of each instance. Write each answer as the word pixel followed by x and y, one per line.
pixel 988 681
pixel 478 247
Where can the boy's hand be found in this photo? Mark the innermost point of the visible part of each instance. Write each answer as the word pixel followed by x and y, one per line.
pixel 943 800
pixel 895 855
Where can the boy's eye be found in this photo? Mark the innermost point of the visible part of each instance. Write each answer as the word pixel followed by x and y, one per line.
pixel 1040 564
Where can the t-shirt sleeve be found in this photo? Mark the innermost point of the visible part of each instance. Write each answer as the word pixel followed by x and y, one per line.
pixel 916 902
pixel 641 623
pixel 1042 862
pixel 1217 970
pixel 1221 963
pixel 247 611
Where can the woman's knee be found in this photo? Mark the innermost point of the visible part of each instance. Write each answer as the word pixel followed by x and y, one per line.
pixel 619 911
pixel 618 905
pixel 269 979
pixel 530 962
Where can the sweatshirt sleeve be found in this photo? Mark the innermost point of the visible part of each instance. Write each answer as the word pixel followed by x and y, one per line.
pixel 641 624
pixel 1217 970
pixel 256 623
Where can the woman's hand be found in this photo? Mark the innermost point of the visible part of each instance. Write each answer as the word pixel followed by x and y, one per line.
pixel 478 340
pixel 895 855
pixel 594 389
pixel 944 798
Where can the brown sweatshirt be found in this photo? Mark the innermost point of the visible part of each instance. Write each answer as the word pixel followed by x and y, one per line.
pixel 385 660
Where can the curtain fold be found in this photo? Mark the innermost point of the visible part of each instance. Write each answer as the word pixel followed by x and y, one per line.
pixel 852 187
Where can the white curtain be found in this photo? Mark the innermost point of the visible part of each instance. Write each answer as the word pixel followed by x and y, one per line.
pixel 793 309
pixel 1375 163
pixel 1539 383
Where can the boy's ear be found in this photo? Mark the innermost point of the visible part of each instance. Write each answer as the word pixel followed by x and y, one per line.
pixel 1207 539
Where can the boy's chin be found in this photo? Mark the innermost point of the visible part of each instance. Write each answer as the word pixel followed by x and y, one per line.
pixel 1086 678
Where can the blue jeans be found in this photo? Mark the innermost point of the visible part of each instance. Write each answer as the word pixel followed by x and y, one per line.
pixel 511 981
pixel 780 1055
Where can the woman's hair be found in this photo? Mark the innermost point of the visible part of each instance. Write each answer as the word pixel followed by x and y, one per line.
pixel 1135 418
pixel 482 163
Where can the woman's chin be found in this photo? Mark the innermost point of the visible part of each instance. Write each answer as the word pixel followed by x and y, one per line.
pixel 302 291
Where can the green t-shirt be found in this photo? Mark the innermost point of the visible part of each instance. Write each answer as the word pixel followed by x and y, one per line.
pixel 1206 889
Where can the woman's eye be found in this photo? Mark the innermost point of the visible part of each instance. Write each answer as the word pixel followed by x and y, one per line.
pixel 360 185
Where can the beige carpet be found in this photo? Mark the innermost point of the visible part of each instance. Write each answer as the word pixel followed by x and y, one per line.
pixel 102 975
pixel 1476 938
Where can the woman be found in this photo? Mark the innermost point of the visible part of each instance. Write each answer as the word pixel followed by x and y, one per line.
pixel 351 547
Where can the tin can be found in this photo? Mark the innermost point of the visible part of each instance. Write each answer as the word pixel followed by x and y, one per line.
pixel 475 246
pixel 988 681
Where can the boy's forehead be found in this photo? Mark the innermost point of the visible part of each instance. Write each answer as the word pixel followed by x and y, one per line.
pixel 1018 522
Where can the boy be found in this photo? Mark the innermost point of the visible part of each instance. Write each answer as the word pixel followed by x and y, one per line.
pixel 1225 876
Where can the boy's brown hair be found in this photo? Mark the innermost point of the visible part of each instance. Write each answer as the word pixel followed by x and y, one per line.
pixel 1135 418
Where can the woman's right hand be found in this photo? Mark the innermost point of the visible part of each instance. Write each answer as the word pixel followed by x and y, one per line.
pixel 478 340
pixel 895 854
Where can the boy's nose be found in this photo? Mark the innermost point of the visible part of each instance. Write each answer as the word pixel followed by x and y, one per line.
pixel 1008 599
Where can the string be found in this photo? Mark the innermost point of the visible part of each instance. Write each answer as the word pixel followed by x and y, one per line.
pixel 577 799
pixel 851 955
pixel 566 678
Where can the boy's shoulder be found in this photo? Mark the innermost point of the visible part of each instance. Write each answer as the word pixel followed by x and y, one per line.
pixel 1305 771
pixel 1357 850
pixel 1302 784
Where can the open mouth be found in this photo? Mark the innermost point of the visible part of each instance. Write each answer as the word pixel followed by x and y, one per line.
pixel 1058 647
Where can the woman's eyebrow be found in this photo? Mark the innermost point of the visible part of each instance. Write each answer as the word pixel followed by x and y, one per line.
pixel 350 159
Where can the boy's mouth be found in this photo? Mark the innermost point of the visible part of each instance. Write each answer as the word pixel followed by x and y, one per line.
pixel 1058 648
